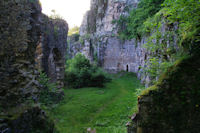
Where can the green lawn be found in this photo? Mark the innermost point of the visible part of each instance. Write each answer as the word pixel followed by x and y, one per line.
pixel 105 109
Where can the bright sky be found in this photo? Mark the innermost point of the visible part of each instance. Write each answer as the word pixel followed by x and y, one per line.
pixel 70 10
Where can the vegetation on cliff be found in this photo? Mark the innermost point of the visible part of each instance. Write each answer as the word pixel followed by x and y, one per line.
pixel 170 29
pixel 132 26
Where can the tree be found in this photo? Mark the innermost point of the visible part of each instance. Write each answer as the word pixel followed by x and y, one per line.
pixel 74 30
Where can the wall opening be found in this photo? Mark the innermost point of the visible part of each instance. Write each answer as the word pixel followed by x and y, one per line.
pixel 127 68
pixel 56 55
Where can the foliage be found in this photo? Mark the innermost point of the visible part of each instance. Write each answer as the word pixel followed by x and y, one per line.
pixel 156 67
pixel 48 89
pixel 80 73
pixel 132 26
pixel 161 45
pixel 181 14
pixel 74 30
pixel 105 109
pixel 187 14
pixel 55 15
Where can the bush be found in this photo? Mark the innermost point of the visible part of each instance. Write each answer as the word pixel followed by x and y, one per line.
pixel 80 73
pixel 49 93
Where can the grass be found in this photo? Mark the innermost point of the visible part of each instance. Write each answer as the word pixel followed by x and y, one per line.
pixel 105 109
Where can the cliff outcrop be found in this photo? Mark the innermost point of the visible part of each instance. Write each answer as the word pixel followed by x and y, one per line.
pixel 172 105
pixel 98 32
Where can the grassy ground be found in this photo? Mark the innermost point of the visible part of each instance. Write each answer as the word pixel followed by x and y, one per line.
pixel 105 109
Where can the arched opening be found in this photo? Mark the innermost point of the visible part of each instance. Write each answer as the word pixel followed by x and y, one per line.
pixel 127 68
pixel 56 55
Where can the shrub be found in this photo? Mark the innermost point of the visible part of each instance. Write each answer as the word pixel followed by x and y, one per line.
pixel 80 73
pixel 48 94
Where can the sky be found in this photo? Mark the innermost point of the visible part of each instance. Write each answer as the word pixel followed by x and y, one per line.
pixel 70 10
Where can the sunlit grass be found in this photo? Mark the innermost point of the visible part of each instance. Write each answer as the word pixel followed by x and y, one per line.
pixel 105 109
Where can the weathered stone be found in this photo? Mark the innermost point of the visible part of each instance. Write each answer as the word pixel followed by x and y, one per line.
pixel 20 31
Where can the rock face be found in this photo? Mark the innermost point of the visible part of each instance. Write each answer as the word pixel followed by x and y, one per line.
pixel 98 32
pixel 52 50
pixel 99 20
pixel 171 106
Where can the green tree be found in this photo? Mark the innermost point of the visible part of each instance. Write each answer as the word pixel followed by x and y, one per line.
pixel 80 73
pixel 74 30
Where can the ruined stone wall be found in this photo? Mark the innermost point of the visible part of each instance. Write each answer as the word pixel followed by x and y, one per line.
pixel 29 39
pixel 171 106
pixel 20 33
pixel 24 41
pixel 54 48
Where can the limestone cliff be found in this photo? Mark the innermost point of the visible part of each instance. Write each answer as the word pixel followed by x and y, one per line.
pixel 102 44
pixel 98 32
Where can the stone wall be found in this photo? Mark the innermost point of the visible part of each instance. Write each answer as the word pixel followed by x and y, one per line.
pixel 171 106
pixel 24 41
pixel 20 33
pixel 53 48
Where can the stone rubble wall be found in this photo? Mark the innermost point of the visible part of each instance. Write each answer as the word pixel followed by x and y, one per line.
pixel 20 33
pixel 54 49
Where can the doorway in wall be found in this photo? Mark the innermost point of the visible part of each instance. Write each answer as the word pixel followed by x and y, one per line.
pixel 127 68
